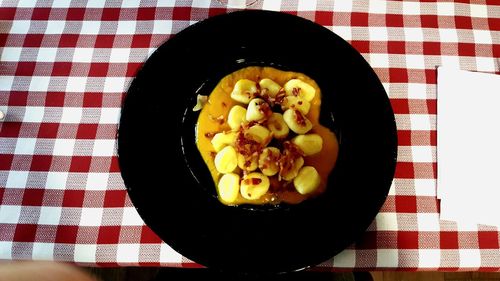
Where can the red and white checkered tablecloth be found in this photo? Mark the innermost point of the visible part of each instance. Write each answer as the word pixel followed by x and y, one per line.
pixel 64 68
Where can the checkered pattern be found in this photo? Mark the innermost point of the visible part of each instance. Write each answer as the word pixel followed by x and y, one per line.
pixel 64 67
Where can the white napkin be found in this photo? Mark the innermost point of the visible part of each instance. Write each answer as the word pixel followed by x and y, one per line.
pixel 468 146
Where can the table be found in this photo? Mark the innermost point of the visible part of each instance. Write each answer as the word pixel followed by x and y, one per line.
pixel 64 68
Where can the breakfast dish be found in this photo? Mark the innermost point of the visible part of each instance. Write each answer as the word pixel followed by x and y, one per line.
pixel 260 137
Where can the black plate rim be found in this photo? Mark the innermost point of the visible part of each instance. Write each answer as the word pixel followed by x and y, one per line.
pixel 133 196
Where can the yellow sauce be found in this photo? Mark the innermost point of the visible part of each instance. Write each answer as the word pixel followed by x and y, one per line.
pixel 219 103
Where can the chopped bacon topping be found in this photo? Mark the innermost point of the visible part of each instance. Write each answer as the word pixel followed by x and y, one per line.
pixel 252 181
pixel 271 160
pixel 246 146
pixel 292 148
pixel 290 154
pixel 295 91
pixel 280 96
pixel 301 120
pixel 247 163
pixel 265 96
pixel 265 109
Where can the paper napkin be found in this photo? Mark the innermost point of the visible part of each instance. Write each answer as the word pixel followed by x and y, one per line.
pixel 468 146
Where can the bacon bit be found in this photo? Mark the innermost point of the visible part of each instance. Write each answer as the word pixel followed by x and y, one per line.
pixel 252 181
pixel 301 120
pixel 210 135
pixel 213 154
pixel 265 96
pixel 245 146
pixel 290 154
pixel 270 160
pixel 219 119
pixel 280 96
pixel 272 157
pixel 265 109
pixel 291 148
pixel 295 91
pixel 224 104
pixel 285 165
pixel 299 102
pixel 256 181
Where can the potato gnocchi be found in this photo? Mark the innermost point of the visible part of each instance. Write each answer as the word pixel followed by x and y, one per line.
pixel 268 147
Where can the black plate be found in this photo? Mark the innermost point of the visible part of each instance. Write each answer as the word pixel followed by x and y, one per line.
pixel 170 185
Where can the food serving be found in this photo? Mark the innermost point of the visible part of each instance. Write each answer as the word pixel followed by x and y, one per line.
pixel 174 190
pixel 260 137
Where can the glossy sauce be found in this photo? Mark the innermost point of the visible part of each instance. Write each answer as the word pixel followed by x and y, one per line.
pixel 219 103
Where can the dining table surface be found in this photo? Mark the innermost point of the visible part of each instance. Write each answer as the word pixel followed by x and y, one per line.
pixel 66 65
